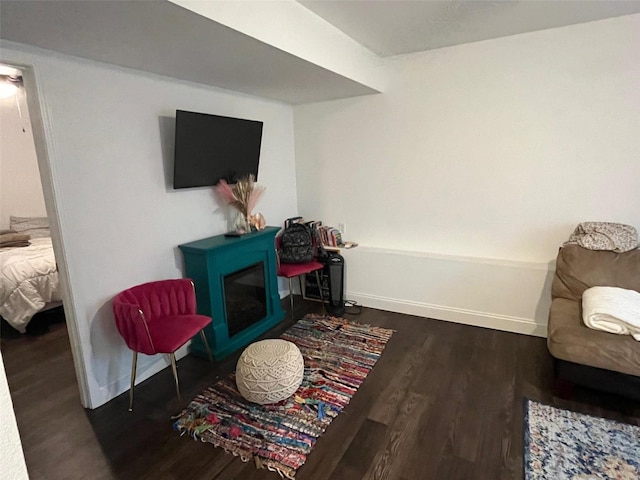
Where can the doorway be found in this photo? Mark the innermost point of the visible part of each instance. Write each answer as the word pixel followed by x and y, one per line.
pixel 33 123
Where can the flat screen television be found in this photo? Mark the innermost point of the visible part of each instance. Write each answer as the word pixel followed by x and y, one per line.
pixel 211 147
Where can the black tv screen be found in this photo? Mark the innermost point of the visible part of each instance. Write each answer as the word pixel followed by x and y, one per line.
pixel 211 147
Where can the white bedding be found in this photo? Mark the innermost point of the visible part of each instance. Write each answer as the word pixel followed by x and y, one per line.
pixel 28 281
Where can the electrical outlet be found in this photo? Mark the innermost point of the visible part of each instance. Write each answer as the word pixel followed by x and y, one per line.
pixel 343 228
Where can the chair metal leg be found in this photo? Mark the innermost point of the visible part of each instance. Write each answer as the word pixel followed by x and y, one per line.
pixel 300 283
pixel 291 297
pixel 324 311
pixel 134 364
pixel 206 344
pixel 175 374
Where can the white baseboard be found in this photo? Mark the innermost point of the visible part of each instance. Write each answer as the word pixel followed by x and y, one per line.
pixel 439 312
pixel 513 296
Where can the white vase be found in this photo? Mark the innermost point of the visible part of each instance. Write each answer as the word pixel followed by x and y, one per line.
pixel 241 224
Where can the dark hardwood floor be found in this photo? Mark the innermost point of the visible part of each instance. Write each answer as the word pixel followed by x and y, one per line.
pixel 445 401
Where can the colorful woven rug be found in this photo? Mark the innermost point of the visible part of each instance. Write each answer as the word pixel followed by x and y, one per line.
pixel 563 445
pixel 338 356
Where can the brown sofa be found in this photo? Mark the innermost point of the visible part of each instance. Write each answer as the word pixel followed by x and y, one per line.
pixel 612 361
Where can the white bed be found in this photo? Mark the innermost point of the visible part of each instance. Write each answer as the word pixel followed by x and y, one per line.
pixel 28 281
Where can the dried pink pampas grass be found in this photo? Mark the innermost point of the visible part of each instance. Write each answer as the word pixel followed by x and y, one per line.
pixel 254 197
pixel 242 195
pixel 225 191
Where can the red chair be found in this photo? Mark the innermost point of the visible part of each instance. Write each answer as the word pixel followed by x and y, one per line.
pixel 291 270
pixel 159 317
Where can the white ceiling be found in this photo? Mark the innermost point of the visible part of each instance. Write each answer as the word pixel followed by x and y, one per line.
pixel 394 27
pixel 164 38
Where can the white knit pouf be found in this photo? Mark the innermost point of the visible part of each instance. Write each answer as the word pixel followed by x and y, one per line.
pixel 269 371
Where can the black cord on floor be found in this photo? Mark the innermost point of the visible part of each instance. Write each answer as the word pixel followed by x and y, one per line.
pixel 351 307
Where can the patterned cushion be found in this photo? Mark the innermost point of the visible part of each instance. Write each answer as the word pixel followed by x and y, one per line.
pixel 616 237
pixel 269 371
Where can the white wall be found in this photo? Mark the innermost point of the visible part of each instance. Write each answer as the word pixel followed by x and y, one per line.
pixel 20 187
pixel 490 150
pixel 111 149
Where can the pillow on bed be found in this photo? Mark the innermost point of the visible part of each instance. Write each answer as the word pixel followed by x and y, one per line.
pixel 37 227
pixel 14 239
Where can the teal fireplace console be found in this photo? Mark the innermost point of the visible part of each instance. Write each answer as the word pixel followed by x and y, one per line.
pixel 244 268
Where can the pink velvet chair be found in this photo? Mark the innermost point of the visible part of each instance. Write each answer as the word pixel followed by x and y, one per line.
pixel 159 317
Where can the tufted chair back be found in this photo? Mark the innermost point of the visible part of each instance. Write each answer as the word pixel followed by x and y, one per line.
pixel 137 307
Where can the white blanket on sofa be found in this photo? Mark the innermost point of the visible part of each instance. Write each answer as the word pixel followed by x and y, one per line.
pixel 612 309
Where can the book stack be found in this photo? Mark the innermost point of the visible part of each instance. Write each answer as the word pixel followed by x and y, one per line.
pixel 329 236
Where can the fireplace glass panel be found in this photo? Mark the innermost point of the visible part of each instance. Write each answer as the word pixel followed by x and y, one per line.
pixel 245 297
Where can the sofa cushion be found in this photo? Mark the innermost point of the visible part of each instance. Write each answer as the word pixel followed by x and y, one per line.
pixel 578 268
pixel 569 339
